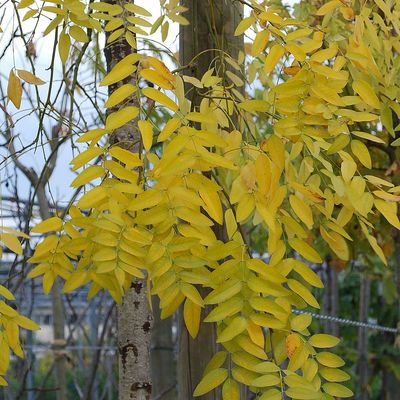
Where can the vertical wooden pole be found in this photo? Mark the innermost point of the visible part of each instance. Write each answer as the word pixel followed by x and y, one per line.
pixel 163 363
pixel 362 364
pixel 202 45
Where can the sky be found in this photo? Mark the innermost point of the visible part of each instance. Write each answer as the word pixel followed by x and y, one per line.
pixel 26 128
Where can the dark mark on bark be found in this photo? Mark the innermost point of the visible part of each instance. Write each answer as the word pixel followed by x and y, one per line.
pixel 137 286
pixel 146 326
pixel 136 304
pixel 135 387
pixel 123 352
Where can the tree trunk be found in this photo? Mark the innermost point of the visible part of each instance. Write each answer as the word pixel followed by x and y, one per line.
pixel 202 46
pixel 134 314
pixel 362 364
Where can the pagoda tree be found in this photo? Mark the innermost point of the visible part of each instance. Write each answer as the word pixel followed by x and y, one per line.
pixel 168 209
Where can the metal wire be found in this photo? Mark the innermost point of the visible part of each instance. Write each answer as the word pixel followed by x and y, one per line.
pixel 350 322
pixel 50 348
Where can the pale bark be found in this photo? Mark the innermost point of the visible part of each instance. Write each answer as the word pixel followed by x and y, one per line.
pixel 202 45
pixel 134 314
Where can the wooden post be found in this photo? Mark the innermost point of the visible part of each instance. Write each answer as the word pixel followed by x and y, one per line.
pixel 362 364
pixel 202 45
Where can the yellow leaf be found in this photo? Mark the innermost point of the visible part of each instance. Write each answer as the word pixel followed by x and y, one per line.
pixel 29 77
pixel 230 390
pixel 191 315
pixel 367 93
pixel 212 203
pixel 130 159
pixel 389 211
pixel 305 250
pixel 306 273
pixel 368 136
pixel 300 322
pixel 266 380
pixel 384 7
pixel 225 309
pixel 328 7
pixel 134 8
pixel 6 293
pixel 146 132
pixel 12 334
pixel 249 347
pixel 48 225
pixel 271 394
pixel 202 118
pixel 299 33
pixel 210 381
pixel 121 117
pixel 93 135
pixel 170 127
pixel 260 42
pixel 243 375
pixel 14 89
pixel 325 54
pixel 339 144
pixel 191 293
pixel 297 52
pixel 64 44
pixel 329 360
pixel 292 343
pixel 120 94
pixel 337 390
pixel 113 24
pixel 243 25
pixel 7 310
pixel 235 327
pixel 11 242
pixel 254 105
pixel 273 57
pixel 336 242
pixel 386 196
pixel 155 77
pixel 161 98
pixel 14 232
pixel 160 67
pixel 26 323
pixel 334 375
pixel 302 210
pixel 323 341
pixel 84 157
pixel 303 292
pixel 356 116
pixel 302 394
pixel 118 73
pixel 216 361
pixel 360 150
pixel 224 292
pixel 87 175
pixel 299 358
pixel 78 34
pixel 76 279
pixel 256 333
pixel 348 169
